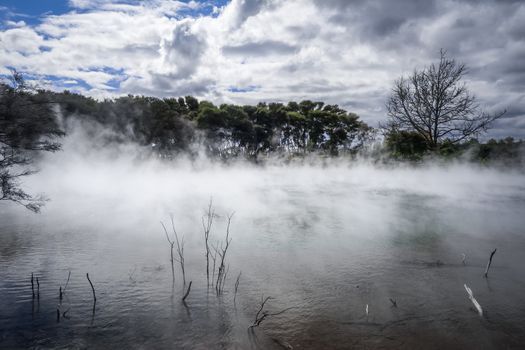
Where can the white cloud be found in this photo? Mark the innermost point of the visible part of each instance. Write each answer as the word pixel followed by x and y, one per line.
pixel 344 52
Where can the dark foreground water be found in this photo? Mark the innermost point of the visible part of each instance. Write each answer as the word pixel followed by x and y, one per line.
pixel 325 243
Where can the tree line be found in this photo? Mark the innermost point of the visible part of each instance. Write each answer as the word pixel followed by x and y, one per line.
pixel 173 125
pixel 429 113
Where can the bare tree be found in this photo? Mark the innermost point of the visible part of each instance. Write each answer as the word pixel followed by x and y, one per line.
pixel 172 244
pixel 437 105
pixel 180 249
pixel 207 221
pixel 222 270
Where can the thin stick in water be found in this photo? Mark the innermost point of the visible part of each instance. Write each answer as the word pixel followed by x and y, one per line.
pixel 236 286
pixel 92 288
pixel 172 244
pixel 67 282
pixel 187 292
pixel 474 301
pixel 490 262
pixel 37 288
pixel 32 286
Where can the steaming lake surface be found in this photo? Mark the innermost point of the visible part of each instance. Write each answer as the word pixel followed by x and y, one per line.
pixel 324 241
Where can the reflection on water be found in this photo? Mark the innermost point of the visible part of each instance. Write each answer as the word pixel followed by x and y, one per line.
pixel 325 247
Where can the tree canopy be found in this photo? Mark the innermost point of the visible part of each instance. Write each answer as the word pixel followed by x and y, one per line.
pixel 28 124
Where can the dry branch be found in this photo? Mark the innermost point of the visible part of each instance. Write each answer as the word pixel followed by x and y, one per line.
pixel 187 292
pixel 221 273
pixel 207 221
pixel 92 288
pixel 172 243
pixel 236 286
pixel 489 262
pixel 474 301
pixel 262 314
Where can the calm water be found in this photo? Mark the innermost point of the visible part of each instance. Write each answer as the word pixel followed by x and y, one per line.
pixel 324 242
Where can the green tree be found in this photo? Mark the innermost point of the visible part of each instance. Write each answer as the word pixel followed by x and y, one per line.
pixel 28 125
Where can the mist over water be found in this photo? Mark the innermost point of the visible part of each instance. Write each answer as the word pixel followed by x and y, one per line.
pixel 324 237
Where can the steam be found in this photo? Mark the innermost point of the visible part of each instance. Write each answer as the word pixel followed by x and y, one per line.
pixel 127 185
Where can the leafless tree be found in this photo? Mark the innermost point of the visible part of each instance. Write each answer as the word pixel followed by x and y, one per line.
pixel 172 244
pixel 207 221
pixel 222 271
pixel 437 105
pixel 180 249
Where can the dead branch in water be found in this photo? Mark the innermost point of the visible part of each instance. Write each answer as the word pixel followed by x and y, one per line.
pixel 261 314
pixel 236 286
pixel 32 285
pixel 221 273
pixel 37 288
pixel 92 288
pixel 474 301
pixel 187 292
pixel 207 221
pixel 214 257
pixel 172 243
pixel 464 259
pixel 62 292
pixel 490 262
pixel 180 250
pixel 394 302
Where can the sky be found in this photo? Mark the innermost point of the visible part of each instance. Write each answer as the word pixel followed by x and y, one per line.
pixel 345 52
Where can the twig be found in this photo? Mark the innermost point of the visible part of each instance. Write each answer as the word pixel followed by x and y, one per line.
pixel 490 262
pixel 474 301
pixel 92 288
pixel 32 286
pixel 221 273
pixel 206 225
pixel 187 292
pixel 67 282
pixel 62 292
pixel 236 286
pixel 171 251
pixel 463 259
pixel 262 315
pixel 394 302
pixel 37 288
pixel 180 250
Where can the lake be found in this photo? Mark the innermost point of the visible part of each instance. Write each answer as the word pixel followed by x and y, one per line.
pixel 334 245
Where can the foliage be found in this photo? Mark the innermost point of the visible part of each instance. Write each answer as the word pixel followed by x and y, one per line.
pixel 27 125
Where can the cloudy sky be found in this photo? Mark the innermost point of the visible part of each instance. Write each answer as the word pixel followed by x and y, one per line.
pixel 243 51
